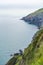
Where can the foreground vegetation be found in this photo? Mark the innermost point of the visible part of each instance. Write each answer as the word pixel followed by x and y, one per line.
pixel 33 54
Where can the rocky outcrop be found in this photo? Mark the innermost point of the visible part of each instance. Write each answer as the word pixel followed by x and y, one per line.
pixel 35 18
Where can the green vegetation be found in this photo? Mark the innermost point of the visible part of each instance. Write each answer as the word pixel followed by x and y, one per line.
pixel 33 54
pixel 37 12
pixel 15 60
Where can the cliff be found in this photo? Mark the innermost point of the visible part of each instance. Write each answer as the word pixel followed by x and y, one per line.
pixel 35 18
pixel 33 54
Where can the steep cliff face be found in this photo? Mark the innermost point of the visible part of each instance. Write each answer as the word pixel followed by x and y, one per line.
pixel 35 18
pixel 33 54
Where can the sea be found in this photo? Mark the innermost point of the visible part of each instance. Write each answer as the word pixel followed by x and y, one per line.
pixel 15 34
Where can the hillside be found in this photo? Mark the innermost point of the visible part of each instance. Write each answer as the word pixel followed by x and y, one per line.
pixel 33 54
pixel 35 18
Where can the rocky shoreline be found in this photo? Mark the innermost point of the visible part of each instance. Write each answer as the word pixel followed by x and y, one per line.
pixel 35 18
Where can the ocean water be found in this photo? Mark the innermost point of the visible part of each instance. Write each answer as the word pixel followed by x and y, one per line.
pixel 15 34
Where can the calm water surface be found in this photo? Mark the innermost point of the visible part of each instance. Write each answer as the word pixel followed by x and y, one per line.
pixel 15 34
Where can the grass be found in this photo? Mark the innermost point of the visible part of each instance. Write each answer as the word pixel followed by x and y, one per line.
pixel 37 12
pixel 33 54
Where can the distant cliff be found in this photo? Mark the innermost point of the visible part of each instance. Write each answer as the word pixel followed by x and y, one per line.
pixel 35 18
pixel 33 54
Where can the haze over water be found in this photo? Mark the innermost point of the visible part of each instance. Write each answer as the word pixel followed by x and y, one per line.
pixel 15 34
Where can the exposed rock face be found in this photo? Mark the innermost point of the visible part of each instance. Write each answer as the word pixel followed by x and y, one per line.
pixel 35 18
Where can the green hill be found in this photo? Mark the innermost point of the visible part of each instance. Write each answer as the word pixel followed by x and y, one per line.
pixel 33 54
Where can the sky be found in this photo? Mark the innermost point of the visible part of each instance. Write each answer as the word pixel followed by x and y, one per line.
pixel 22 3
pixel 23 7
pixel 29 2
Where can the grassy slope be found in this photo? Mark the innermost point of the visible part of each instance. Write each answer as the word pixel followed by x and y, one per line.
pixel 15 60
pixel 36 12
pixel 33 54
